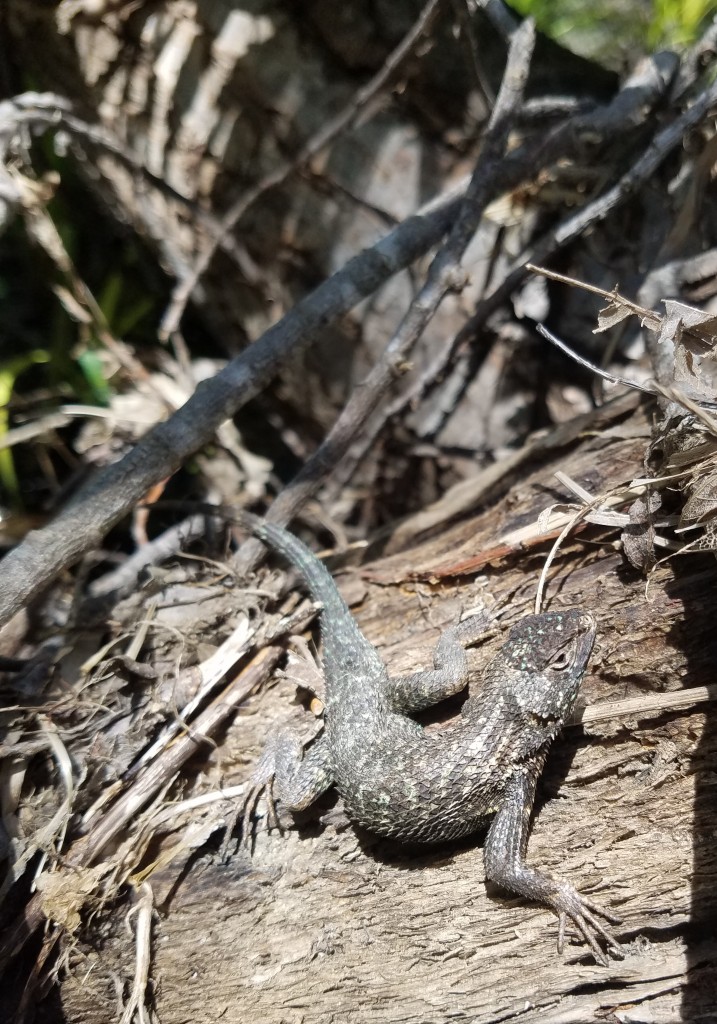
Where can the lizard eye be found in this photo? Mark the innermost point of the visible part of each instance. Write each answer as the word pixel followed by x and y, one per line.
pixel 561 661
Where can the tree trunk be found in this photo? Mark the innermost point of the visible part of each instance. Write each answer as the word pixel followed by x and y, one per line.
pixel 324 923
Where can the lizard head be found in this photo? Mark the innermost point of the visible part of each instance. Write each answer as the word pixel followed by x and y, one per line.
pixel 548 655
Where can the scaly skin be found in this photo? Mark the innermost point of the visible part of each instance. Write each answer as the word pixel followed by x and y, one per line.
pixel 397 780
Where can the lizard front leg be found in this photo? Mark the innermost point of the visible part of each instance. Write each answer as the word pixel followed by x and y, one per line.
pixel 504 854
pixel 419 690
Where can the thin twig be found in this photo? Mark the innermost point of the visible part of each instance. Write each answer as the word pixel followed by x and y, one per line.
pixel 641 91
pixel 143 911
pixel 541 329
pixel 599 503
pixel 89 848
pixel 609 296
pixel 647 704
pixel 50 111
pixel 122 580
pixel 463 14
pixel 653 388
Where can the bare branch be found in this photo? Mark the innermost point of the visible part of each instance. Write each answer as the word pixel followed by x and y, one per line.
pixel 115 490
pixel 444 274
pixel 570 228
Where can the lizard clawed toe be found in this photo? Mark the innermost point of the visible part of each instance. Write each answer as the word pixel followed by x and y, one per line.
pixel 260 783
pixel 247 815
pixel 584 914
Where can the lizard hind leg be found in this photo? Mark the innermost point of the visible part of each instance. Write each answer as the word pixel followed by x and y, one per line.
pixel 285 773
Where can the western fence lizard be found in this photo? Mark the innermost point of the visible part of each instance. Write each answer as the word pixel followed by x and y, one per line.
pixel 398 780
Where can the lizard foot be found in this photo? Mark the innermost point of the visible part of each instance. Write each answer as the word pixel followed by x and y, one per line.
pixel 247 812
pixel 584 914
pixel 282 770
pixel 260 783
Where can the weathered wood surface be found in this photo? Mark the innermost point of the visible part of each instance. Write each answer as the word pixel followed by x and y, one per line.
pixel 323 924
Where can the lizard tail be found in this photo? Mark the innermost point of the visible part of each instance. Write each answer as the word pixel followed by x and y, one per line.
pixel 317 578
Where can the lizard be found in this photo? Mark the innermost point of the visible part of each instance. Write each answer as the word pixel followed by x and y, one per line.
pixel 404 783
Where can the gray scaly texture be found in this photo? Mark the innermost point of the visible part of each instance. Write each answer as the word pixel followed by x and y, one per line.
pixel 399 781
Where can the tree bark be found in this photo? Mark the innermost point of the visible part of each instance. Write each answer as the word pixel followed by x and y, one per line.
pixel 324 923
